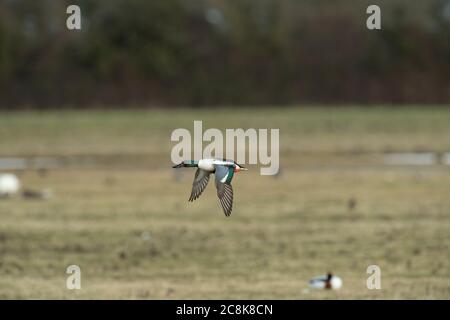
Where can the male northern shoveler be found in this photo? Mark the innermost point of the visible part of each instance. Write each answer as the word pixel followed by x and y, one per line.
pixel 328 281
pixel 224 171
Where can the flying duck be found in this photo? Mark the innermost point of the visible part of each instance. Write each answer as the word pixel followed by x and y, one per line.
pixel 224 171
pixel 329 281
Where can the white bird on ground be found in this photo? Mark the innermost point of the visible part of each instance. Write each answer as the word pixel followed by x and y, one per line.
pixel 9 185
pixel 329 281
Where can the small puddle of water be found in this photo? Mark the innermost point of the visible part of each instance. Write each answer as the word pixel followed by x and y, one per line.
pixel 23 163
pixel 411 159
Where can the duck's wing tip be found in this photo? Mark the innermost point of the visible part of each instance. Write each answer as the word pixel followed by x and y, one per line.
pixel 225 194
pixel 201 180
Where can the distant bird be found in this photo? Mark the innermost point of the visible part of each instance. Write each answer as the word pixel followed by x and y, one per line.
pixel 224 171
pixel 351 204
pixel 9 185
pixel 329 281
pixel 37 194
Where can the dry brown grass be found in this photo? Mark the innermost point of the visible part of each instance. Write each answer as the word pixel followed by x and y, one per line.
pixel 134 235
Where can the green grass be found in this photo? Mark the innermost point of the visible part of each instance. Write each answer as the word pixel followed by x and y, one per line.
pixel 134 235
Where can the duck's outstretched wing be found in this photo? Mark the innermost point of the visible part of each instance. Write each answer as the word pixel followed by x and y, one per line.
pixel 224 174
pixel 201 180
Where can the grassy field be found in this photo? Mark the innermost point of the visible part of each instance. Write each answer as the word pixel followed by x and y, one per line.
pixel 128 224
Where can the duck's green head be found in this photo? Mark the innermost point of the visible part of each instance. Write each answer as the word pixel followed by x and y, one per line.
pixel 187 163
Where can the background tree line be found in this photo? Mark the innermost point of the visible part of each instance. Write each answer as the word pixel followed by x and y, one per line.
pixel 222 52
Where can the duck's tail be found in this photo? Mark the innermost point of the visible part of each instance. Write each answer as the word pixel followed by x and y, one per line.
pixel 187 163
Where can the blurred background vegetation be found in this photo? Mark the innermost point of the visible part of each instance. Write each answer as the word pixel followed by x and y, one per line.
pixel 98 189
pixel 217 52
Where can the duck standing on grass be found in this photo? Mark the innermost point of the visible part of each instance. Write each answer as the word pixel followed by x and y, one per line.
pixel 330 282
pixel 224 171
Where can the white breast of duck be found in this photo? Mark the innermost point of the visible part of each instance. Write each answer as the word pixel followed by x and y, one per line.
pixel 326 282
pixel 208 164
